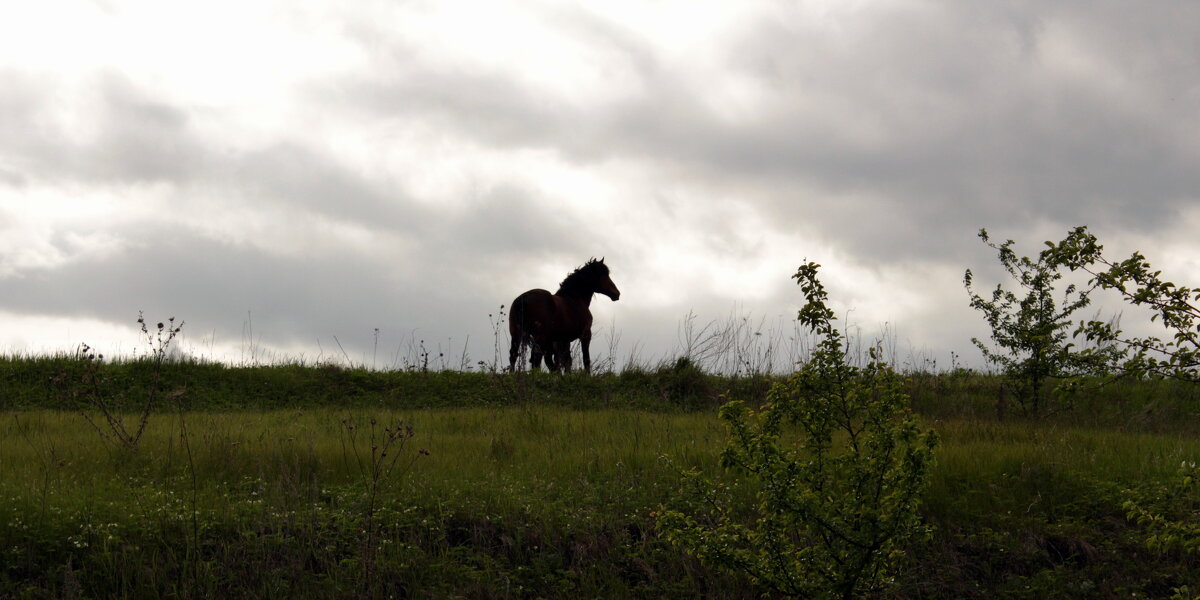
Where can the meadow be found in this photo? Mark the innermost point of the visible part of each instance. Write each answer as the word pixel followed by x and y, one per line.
pixel 307 481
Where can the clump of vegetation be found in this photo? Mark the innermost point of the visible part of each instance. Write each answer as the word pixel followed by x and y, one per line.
pixel 838 463
pixel 1030 326
pixel 682 382
pixel 1170 512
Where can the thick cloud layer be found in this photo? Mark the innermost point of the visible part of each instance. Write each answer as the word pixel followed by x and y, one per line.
pixel 327 171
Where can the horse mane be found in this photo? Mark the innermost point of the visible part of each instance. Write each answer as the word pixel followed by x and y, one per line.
pixel 580 281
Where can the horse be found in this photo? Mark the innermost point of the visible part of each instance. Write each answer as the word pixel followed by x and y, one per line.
pixel 548 323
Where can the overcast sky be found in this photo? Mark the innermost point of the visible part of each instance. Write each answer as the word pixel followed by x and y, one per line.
pixel 312 171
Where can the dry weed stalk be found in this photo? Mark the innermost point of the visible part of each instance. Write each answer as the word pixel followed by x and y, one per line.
pixel 91 391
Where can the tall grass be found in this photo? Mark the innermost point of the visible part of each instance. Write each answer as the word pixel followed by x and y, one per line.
pixel 537 476
pixel 470 447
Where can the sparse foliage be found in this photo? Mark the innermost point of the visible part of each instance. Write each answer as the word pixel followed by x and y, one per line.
pixel 1030 327
pixel 838 463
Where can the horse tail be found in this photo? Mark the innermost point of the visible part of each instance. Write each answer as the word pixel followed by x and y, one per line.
pixel 518 329
pixel 528 319
pixel 518 315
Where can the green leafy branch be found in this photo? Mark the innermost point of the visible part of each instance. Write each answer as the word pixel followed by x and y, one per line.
pixel 1176 307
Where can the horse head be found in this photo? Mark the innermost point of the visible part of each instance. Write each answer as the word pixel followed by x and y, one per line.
pixel 604 284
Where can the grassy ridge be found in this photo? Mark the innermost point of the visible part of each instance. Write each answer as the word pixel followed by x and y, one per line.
pixel 27 382
pixel 533 486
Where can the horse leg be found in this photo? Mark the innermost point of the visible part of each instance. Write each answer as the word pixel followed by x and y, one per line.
pixel 513 351
pixel 535 356
pixel 564 357
pixel 584 342
pixel 554 360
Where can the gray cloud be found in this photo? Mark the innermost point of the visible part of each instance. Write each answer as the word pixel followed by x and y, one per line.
pixel 504 224
pixel 295 176
pixel 293 299
pixel 127 134
pixel 967 121
pixel 890 135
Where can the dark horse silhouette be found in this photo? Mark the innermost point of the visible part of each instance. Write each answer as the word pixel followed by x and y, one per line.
pixel 548 323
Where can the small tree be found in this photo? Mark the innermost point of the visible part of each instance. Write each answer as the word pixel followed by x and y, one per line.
pixel 1176 307
pixel 838 464
pixel 1029 327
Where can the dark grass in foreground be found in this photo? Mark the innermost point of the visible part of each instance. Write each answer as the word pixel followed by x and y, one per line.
pixel 535 486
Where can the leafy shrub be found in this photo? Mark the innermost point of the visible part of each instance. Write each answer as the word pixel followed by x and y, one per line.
pixel 837 463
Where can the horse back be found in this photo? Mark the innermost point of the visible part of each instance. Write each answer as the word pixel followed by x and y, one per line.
pixel 530 312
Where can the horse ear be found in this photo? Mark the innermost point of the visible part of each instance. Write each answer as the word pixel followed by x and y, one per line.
pixel 601 260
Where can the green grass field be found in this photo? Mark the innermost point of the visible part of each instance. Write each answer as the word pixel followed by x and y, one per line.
pixel 252 483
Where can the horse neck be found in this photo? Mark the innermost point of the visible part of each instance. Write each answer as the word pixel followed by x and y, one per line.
pixel 579 295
